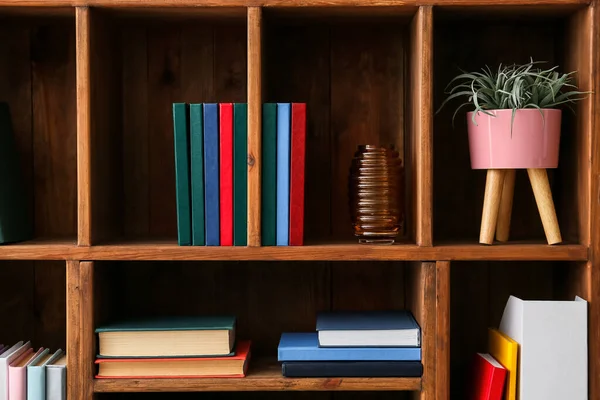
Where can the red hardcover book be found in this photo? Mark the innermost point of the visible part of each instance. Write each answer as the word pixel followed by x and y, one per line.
pixel 297 163
pixel 488 378
pixel 226 173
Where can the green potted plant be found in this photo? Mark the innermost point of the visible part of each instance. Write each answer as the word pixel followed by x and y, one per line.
pixel 514 123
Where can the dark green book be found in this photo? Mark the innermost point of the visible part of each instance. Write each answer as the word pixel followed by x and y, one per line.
pixel 16 222
pixel 240 174
pixel 182 173
pixel 178 336
pixel 269 174
pixel 197 174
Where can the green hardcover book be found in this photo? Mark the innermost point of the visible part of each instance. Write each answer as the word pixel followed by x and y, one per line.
pixel 182 173
pixel 240 174
pixel 197 174
pixel 269 174
pixel 177 336
pixel 16 222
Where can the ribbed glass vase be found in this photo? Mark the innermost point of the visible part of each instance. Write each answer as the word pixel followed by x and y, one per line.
pixel 376 194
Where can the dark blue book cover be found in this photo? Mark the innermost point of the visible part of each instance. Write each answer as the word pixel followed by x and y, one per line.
pixel 355 369
pixel 305 347
pixel 283 174
pixel 197 174
pixel 211 173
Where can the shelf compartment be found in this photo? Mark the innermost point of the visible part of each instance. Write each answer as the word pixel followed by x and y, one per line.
pixel 353 74
pixel 263 375
pixel 481 290
pixel 33 298
pixel 37 61
pixel 140 64
pixel 560 36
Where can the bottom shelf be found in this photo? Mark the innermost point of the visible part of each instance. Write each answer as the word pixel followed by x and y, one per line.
pixel 263 375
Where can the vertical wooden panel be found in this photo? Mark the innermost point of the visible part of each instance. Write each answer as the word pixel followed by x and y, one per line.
pixel 288 49
pixel 84 176
pixel 442 330
pixel 135 152
pixel 367 94
pixel 75 381
pixel 87 352
pixel 421 126
pixel 254 123
pixel 420 300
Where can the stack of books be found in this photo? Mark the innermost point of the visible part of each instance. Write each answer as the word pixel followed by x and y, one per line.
pixel 211 173
pixel 175 347
pixel 355 344
pixel 26 373
pixel 283 168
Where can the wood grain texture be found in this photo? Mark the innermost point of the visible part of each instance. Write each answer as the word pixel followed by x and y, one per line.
pixel 421 278
pixel 87 351
pixel 262 376
pixel 254 124
pixel 442 330
pixel 84 156
pixel 75 382
pixel 421 124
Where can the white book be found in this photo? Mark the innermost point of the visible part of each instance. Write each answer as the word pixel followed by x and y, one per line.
pixel 6 358
pixel 56 379
pixel 553 349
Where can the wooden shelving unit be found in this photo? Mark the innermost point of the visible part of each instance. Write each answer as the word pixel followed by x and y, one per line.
pixel 90 84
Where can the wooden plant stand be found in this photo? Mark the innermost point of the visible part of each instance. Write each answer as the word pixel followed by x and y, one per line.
pixel 498 200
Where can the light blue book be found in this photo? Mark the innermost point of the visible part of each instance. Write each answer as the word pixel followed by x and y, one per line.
pixel 305 347
pixel 36 374
pixel 368 329
pixel 283 174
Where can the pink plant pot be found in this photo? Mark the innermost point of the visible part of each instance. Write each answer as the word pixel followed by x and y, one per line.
pixel 534 142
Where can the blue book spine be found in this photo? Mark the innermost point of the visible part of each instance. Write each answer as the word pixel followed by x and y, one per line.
pixel 197 174
pixel 211 173
pixel 283 174
pixel 350 354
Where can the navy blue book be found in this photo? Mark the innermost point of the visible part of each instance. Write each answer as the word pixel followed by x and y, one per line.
pixel 356 369
pixel 305 347
pixel 283 174
pixel 211 174
pixel 368 328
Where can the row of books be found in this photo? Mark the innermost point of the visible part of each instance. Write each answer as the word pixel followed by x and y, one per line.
pixel 28 374
pixel 539 351
pixel 211 173
pixel 354 344
pixel 174 347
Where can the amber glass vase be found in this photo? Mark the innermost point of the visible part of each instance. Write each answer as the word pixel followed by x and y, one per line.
pixel 376 194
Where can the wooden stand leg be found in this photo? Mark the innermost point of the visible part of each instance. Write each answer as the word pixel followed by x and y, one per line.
pixel 506 202
pixel 543 198
pixel 491 203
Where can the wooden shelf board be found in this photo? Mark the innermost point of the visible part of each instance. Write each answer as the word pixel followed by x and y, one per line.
pixel 277 3
pixel 262 376
pixel 169 250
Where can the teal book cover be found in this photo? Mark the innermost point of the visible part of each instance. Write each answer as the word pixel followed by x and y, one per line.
pixel 269 175
pixel 197 174
pixel 16 223
pixel 178 323
pixel 240 174
pixel 36 374
pixel 182 173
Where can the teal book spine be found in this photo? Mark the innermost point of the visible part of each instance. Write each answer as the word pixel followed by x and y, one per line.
pixel 269 175
pixel 36 377
pixel 197 174
pixel 182 173
pixel 240 174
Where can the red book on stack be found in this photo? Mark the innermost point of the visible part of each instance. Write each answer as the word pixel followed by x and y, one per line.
pixel 488 378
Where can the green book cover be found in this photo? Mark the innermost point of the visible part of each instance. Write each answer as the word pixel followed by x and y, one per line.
pixel 197 174
pixel 174 323
pixel 16 222
pixel 240 174
pixel 182 173
pixel 269 174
